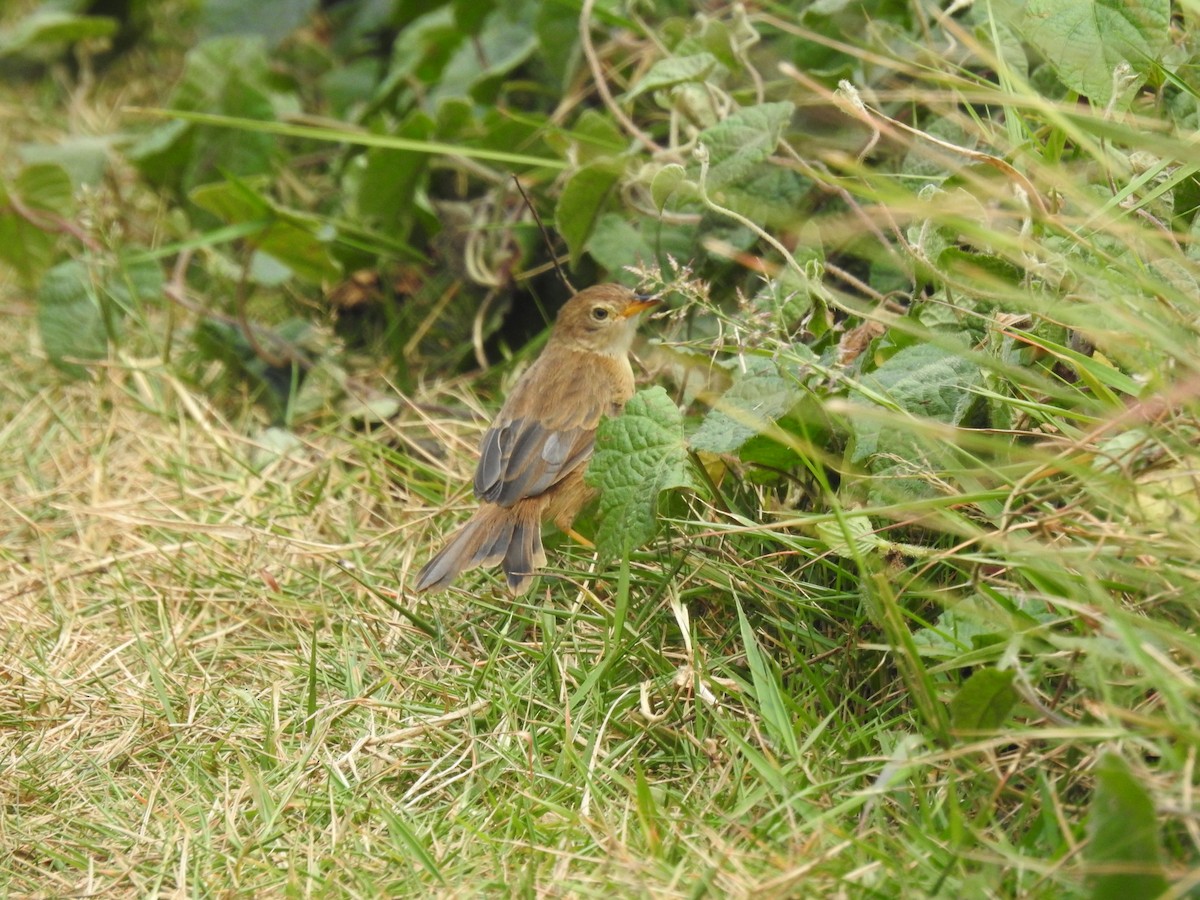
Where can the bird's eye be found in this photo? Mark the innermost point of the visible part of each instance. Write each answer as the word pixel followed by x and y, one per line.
pixel 599 313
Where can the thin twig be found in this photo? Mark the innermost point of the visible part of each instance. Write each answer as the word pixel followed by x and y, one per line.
pixel 48 221
pixel 545 235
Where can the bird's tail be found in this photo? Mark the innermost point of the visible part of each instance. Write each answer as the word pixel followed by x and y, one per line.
pixel 494 535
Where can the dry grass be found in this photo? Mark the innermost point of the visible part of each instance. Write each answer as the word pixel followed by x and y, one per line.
pixel 214 681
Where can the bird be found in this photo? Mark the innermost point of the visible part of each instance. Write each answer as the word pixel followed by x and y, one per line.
pixel 533 457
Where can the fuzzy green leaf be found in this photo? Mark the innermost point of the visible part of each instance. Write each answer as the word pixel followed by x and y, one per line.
pixel 927 381
pixel 854 536
pixel 1123 854
pixel 666 182
pixel 382 187
pixel 26 247
pixel 638 455
pixel 272 20
pixel 557 29
pixel 595 136
pixel 70 319
pixel 752 405
pixel 505 38
pixel 84 158
pixel 47 186
pixel 134 284
pixel 228 77
pixel 1085 40
pixel 616 242
pixel 675 70
pixel 739 143
pixel 984 701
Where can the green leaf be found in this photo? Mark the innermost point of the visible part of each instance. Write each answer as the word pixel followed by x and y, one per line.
pixel 851 537
pixel 134 284
pixel 272 20
pixel 594 136
pixel 584 197
pixel 46 186
pixel 298 242
pixel 771 704
pixel 975 623
pixel 675 70
pixel 70 319
pixel 739 143
pixel 234 200
pixel 616 243
pixel 984 701
pixel 638 455
pixel 49 27
pixel 666 182
pixel 924 380
pixel 504 40
pixel 385 181
pixel 227 78
pixel 1085 40
pixel 770 196
pixel 1123 855
pixel 749 407
pixel 24 245
pixel 557 29
pixel 84 158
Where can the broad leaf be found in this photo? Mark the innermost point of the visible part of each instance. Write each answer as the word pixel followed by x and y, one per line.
pixel 984 702
pixel 134 285
pixel 28 246
pixel 748 408
pixel 675 70
pixel 1123 851
pixel 70 318
pixel 272 20
pixel 48 27
pixel 229 76
pixel 383 182
pixel 638 455
pixel 667 181
pixel 297 242
pixel 854 537
pixel 924 380
pixel 84 158
pixel 504 40
pixel 739 143
pixel 1085 40
pixel 583 199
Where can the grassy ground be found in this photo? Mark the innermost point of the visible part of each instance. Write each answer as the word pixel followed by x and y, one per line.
pixel 214 680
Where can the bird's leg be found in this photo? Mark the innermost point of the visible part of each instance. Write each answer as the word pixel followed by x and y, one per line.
pixel 578 538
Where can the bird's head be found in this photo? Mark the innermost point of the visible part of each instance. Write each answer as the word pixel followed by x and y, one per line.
pixel 601 319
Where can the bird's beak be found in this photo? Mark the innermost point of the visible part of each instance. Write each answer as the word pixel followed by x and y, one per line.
pixel 641 302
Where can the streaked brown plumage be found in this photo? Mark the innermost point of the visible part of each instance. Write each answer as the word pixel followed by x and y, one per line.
pixel 532 459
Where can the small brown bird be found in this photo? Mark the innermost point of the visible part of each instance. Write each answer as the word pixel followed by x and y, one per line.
pixel 532 459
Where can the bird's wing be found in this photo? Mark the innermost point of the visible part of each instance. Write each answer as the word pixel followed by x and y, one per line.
pixel 546 429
